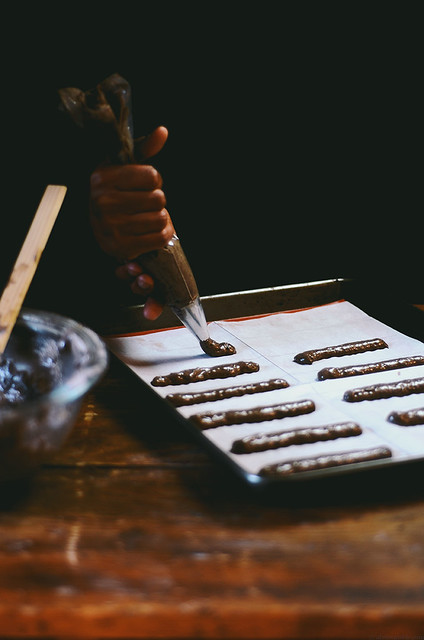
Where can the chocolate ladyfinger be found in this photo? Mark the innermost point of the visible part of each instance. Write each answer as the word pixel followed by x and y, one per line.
pixel 212 395
pixel 336 351
pixel 198 374
pixel 307 435
pixel 257 414
pixel 372 367
pixel 385 390
pixel 407 418
pixel 290 467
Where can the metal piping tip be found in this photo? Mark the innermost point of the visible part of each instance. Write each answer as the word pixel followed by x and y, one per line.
pixel 193 317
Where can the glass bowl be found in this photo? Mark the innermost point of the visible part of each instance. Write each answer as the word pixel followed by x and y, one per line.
pixel 49 364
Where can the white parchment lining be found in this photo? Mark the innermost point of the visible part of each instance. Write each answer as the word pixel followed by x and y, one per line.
pixel 272 341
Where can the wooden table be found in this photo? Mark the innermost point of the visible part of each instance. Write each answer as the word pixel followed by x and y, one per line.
pixel 133 531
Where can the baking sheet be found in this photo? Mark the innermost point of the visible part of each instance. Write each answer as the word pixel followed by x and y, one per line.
pixel 272 341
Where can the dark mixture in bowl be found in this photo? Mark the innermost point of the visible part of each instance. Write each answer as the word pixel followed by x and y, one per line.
pixel 21 382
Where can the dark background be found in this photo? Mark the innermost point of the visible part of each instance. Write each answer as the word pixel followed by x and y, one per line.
pixel 295 146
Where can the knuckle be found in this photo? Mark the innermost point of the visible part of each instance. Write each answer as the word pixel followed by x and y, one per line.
pixel 156 177
pixel 150 176
pixel 166 233
pixel 159 198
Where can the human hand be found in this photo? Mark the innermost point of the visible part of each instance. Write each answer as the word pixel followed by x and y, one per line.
pixel 128 214
pixel 127 204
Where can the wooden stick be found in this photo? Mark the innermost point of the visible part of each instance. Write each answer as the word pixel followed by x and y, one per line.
pixel 28 259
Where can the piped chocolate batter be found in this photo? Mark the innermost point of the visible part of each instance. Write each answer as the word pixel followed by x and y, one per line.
pixel 198 374
pixel 374 367
pixel 257 414
pixel 324 462
pixel 215 349
pixel 185 399
pixel 276 440
pixel 409 418
pixel 385 390
pixel 336 351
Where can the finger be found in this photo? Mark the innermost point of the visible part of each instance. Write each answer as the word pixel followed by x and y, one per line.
pixel 130 202
pixel 128 177
pixel 143 284
pixel 152 309
pixel 132 246
pixel 128 271
pixel 140 224
pixel 128 246
pixel 151 145
pixel 135 246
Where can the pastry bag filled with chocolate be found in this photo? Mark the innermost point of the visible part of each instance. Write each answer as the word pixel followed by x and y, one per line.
pixel 105 113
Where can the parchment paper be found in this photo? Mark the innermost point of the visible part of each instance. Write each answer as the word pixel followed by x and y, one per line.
pixel 272 341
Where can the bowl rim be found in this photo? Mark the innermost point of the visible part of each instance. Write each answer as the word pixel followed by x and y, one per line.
pixel 77 385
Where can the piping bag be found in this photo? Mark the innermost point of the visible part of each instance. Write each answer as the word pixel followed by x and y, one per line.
pixel 105 113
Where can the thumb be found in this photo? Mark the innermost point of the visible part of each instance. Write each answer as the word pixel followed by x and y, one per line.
pixel 150 145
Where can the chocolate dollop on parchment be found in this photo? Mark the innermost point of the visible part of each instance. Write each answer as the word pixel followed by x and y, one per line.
pixel 215 349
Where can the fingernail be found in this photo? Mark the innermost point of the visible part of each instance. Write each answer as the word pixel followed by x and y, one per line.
pixel 143 282
pixel 133 269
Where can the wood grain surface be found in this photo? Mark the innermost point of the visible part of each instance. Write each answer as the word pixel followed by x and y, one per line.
pixel 134 531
